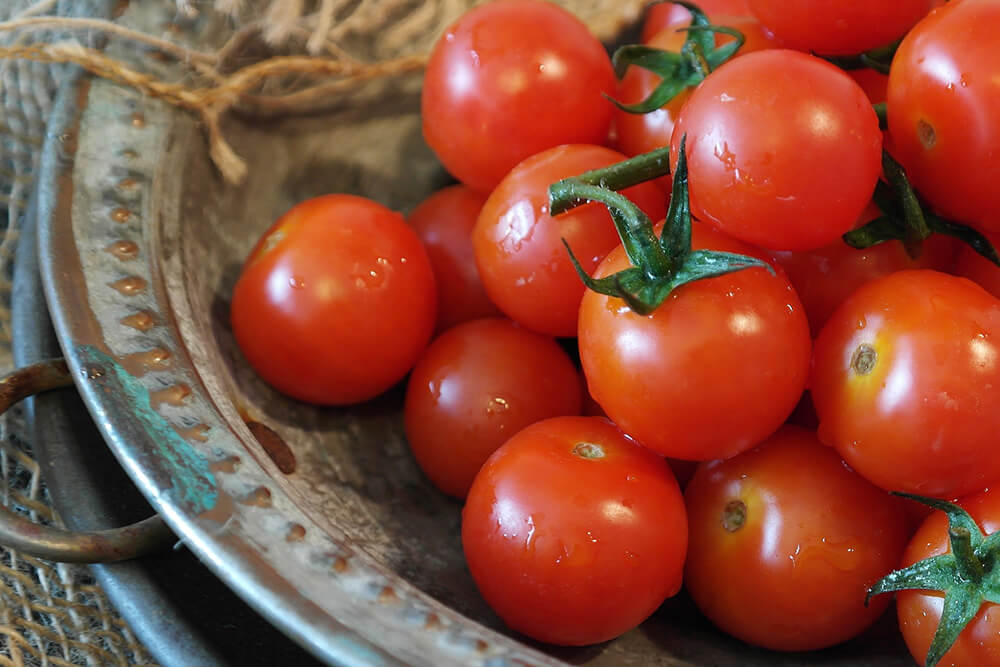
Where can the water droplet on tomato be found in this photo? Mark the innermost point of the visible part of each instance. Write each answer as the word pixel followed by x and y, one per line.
pixel 496 406
pixel 296 282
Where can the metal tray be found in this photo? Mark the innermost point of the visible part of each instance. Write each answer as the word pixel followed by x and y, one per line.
pixel 318 518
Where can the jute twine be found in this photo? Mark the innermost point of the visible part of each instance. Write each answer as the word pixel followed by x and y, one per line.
pixel 308 82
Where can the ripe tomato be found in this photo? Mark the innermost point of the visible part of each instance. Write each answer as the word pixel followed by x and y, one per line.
pixel 663 15
pixel 763 132
pixel 710 373
pixel 919 611
pixel 785 541
pixel 874 83
pixel 444 223
pixel 574 533
pixel 839 27
pixel 477 385
pixel 641 133
pixel 943 103
pixel 906 383
pixel 510 79
pixel 970 264
pixel 519 247
pixel 824 277
pixel 336 301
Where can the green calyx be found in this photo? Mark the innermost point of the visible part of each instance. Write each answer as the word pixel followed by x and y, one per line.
pixel 878 59
pixel 968 576
pixel 906 218
pixel 660 264
pixel 698 57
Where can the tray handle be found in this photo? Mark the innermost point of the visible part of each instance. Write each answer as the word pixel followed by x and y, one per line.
pixel 57 544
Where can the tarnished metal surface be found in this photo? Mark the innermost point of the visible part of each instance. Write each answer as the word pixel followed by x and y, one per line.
pixel 333 534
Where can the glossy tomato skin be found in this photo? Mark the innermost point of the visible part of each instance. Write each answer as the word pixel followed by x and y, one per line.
pixel 713 371
pixel 476 386
pixel 943 103
pixel 665 15
pixel 970 264
pixel 641 133
pixel 762 135
pixel 569 549
pixel 874 83
pixel 444 223
pixel 919 611
pixel 519 247
pixel 336 301
pixel 906 383
pixel 792 573
pixel 510 79
pixel 826 276
pixel 839 27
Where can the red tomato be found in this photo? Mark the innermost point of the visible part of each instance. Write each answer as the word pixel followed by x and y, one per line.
pixel 826 276
pixel 906 383
pixel 710 373
pixel 665 15
pixel 920 611
pixel 510 79
pixel 336 301
pixel 839 27
pixel 444 223
pixel 763 135
pixel 785 542
pixel 477 385
pixel 574 533
pixel 944 110
pixel 641 133
pixel 519 246
pixel 874 83
pixel 970 264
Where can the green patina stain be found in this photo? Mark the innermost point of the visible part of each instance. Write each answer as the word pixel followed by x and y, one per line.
pixel 191 477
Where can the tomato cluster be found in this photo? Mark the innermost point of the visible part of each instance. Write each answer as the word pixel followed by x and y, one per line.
pixel 753 228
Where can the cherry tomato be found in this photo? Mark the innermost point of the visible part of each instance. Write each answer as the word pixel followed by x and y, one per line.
pixel 574 533
pixel 510 79
pixel 663 15
pixel 970 264
pixel 874 83
pixel 713 371
pixel 764 132
pixel 477 385
pixel 519 247
pixel 906 383
pixel 824 277
pixel 839 27
pixel 919 611
pixel 785 542
pixel 641 133
pixel 336 301
pixel 444 223
pixel 943 103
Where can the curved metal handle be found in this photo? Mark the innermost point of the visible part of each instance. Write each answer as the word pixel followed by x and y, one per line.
pixel 102 546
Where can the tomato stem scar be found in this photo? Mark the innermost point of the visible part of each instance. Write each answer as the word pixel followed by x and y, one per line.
pixel 864 359
pixel 734 515
pixel 588 450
